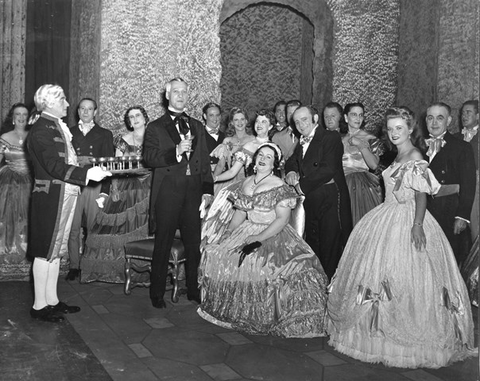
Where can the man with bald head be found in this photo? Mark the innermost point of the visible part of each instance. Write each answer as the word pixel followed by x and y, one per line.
pixel 452 162
pixel 315 170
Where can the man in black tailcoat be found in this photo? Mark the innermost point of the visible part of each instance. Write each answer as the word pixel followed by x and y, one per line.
pixel 452 162
pixel 175 147
pixel 315 169
pixel 212 114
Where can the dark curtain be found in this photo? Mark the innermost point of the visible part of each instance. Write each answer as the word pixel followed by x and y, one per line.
pixel 47 45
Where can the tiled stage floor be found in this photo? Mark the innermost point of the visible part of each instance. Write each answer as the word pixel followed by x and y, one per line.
pixel 123 337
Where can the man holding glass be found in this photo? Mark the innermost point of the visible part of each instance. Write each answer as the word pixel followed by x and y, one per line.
pixel 175 147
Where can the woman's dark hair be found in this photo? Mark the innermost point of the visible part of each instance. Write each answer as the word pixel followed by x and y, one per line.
pixel 270 115
pixel 7 125
pixel 409 117
pixel 230 130
pixel 126 119
pixel 276 161
pixel 347 109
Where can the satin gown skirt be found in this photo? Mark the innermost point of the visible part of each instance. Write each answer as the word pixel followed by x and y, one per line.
pixel 365 193
pixel 391 303
pixel 15 192
pixel 279 289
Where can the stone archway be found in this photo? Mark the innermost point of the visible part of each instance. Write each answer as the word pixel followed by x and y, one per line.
pixel 316 79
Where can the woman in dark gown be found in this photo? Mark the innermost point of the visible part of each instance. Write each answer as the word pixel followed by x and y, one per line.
pixel 15 191
pixel 125 215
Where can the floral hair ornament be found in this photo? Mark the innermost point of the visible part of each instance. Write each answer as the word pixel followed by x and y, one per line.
pixel 274 147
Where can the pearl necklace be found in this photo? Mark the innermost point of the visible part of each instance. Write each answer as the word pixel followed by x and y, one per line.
pixel 254 185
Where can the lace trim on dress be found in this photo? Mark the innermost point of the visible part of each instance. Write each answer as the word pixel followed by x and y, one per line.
pixel 266 199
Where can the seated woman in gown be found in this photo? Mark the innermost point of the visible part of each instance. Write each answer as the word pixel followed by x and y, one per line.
pixel 362 151
pixel 238 133
pixel 278 288
pixel 125 215
pixel 405 304
pixel 264 122
pixel 15 191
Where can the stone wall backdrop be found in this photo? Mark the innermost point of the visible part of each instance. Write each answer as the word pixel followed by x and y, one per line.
pixel 261 49
pixel 458 45
pixel 314 46
pixel 438 59
pixel 85 55
pixel 146 43
pixel 417 62
pixel 366 55
pixel 13 27
pixel 424 50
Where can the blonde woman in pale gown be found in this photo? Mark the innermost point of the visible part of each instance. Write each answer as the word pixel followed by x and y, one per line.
pixel 238 133
pixel 398 297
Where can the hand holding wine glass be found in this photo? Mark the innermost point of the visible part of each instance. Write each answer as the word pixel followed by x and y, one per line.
pixel 190 137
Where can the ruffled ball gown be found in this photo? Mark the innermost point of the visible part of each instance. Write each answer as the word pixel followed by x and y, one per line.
pixel 391 303
pixel 15 192
pixel 279 289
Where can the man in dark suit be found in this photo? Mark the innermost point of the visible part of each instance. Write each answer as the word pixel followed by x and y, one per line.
pixel 212 114
pixel 452 162
pixel 315 169
pixel 175 147
pixel 89 140
pixel 469 133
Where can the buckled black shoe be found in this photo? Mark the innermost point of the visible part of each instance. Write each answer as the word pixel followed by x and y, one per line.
pixel 47 314
pixel 64 309
pixel 72 274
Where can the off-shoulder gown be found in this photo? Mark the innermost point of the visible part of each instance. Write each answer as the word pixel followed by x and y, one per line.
pixel 279 289
pixel 390 302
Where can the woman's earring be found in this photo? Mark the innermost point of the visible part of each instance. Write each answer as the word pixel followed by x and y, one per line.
pixel 254 169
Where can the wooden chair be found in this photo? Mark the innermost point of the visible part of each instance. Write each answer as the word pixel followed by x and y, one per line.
pixel 142 250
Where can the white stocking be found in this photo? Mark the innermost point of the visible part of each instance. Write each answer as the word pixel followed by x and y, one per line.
pixel 52 279
pixel 40 275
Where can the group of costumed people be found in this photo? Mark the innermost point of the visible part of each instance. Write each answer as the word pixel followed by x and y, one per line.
pixel 123 218
pixel 404 303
